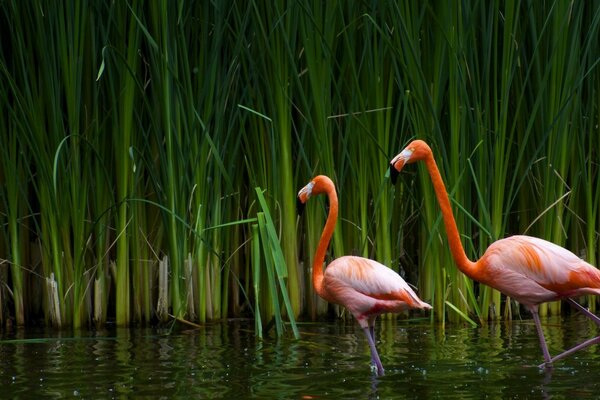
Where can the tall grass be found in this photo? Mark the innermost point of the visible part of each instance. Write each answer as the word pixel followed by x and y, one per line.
pixel 15 221
pixel 497 63
pixel 134 136
pixel 270 53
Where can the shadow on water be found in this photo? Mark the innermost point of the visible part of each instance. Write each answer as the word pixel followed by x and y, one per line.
pixel 330 361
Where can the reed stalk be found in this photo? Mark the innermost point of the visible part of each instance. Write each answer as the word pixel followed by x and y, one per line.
pixel 167 94
pixel 256 278
pixel 14 204
pixel 147 128
pixel 270 56
pixel 279 270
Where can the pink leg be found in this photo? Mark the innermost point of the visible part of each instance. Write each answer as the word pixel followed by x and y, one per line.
pixel 572 350
pixel 372 333
pixel 374 354
pixel 371 322
pixel 585 311
pixel 372 328
pixel 538 325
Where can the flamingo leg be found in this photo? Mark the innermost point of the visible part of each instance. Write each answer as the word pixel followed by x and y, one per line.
pixel 549 360
pixel 583 345
pixel 585 311
pixel 538 325
pixel 372 328
pixel 374 354
pixel 372 332
pixel 572 350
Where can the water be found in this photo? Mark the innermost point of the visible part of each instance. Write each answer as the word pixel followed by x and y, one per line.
pixel 331 360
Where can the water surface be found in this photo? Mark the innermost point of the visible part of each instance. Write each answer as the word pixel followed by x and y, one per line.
pixel 330 361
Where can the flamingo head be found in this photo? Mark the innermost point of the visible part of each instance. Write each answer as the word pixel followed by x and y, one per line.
pixel 319 184
pixel 415 151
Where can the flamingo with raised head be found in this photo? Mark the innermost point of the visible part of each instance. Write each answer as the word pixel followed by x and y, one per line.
pixel 527 269
pixel 365 287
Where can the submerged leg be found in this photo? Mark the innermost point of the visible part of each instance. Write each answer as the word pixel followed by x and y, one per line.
pixel 538 325
pixel 587 343
pixel 372 328
pixel 372 331
pixel 371 321
pixel 585 311
pixel 549 360
pixel 374 354
pixel 572 350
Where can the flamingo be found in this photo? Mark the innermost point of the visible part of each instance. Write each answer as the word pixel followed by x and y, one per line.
pixel 365 287
pixel 527 269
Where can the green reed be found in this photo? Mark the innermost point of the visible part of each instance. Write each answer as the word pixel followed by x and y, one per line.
pixel 586 169
pixel 493 135
pixel 135 135
pixel 269 54
pixel 12 161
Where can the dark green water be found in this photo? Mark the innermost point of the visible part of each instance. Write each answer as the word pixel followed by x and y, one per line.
pixel 331 361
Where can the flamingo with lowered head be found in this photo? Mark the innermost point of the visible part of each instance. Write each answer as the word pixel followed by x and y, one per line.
pixel 528 269
pixel 365 287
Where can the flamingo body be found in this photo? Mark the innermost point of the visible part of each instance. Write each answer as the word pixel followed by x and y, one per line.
pixel 363 286
pixel 367 288
pixel 534 271
pixel 528 269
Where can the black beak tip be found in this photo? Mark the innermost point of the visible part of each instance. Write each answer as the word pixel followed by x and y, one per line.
pixel 393 174
pixel 299 206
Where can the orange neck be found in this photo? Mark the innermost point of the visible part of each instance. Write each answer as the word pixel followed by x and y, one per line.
pixel 456 247
pixel 317 275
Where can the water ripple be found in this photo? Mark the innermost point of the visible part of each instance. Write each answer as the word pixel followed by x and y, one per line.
pixel 331 360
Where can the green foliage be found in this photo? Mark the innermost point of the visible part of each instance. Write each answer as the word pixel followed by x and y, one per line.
pixel 133 136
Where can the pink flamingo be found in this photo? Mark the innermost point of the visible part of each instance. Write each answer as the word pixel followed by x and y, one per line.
pixel 365 287
pixel 528 269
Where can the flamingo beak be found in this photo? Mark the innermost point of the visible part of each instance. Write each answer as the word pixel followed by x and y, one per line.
pixel 299 206
pixel 303 196
pixel 398 163
pixel 393 174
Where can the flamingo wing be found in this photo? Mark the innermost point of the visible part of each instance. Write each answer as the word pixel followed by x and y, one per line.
pixel 529 268
pixel 372 279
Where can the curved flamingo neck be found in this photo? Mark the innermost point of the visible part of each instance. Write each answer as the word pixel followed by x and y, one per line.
pixel 456 247
pixel 317 274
